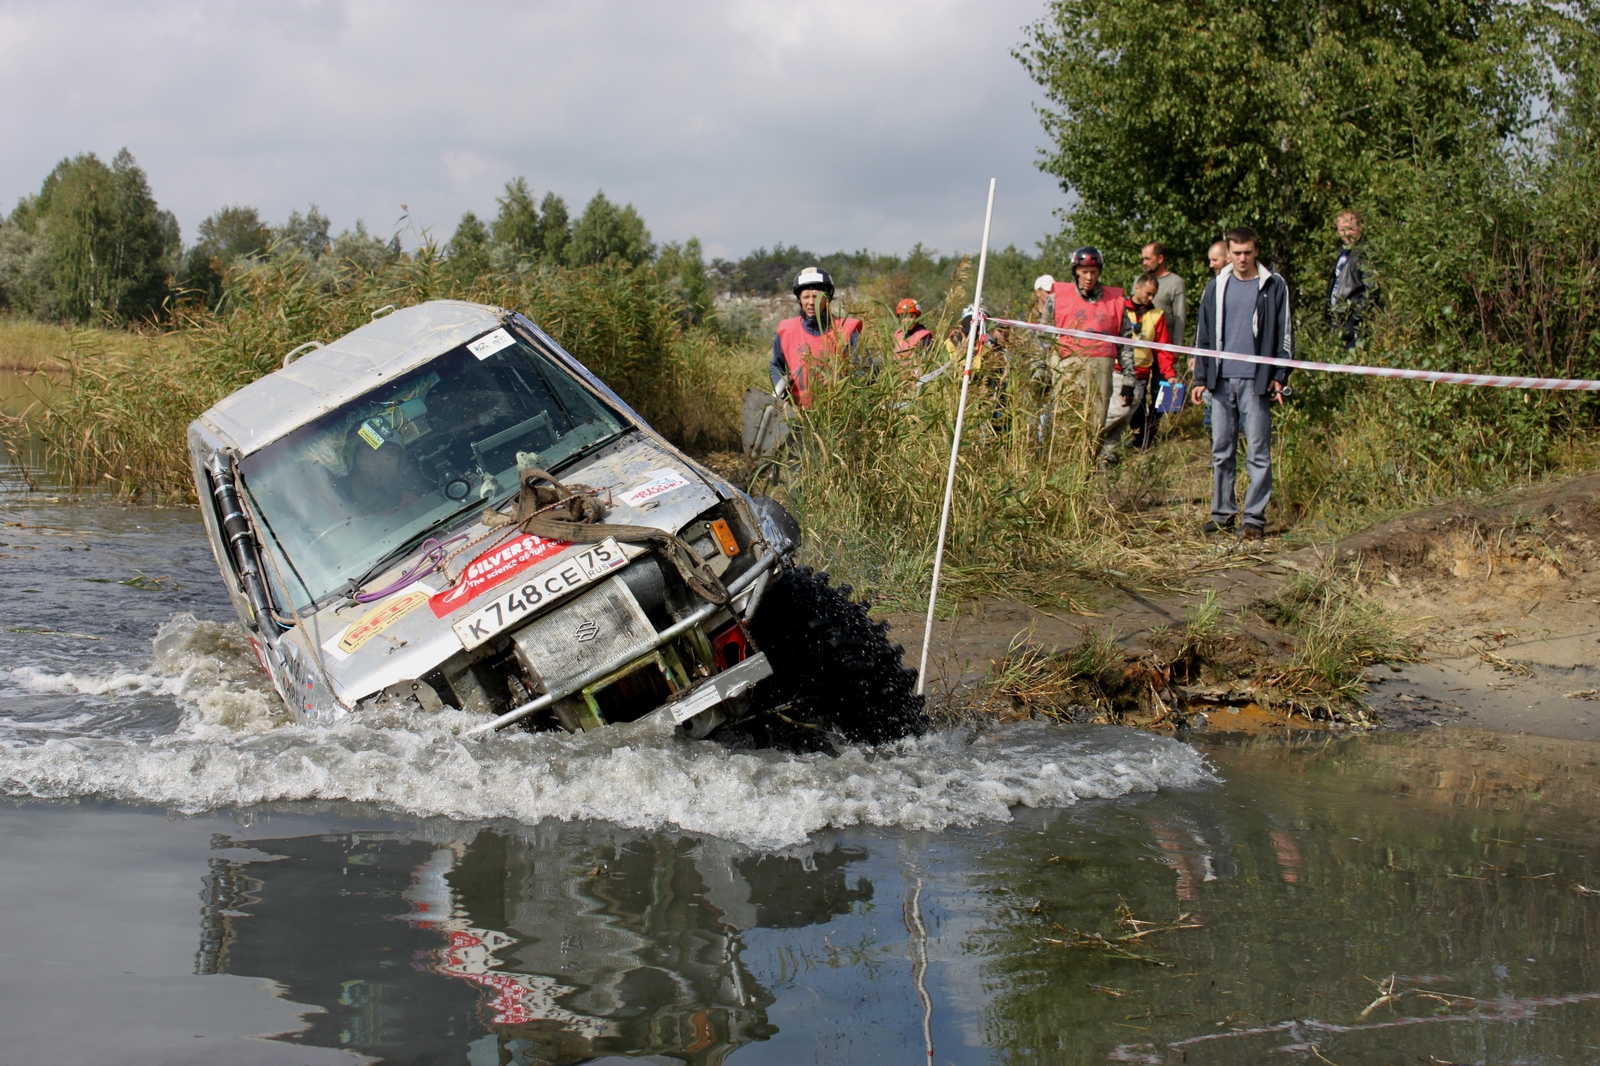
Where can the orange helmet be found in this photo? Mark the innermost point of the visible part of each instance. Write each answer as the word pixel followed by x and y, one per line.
pixel 908 306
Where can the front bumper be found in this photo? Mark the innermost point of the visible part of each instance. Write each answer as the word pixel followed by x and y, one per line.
pixel 744 588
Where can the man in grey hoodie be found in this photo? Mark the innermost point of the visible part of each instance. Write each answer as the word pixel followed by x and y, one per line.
pixel 1245 309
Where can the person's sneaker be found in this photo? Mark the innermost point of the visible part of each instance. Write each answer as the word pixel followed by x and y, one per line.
pixel 1213 526
pixel 1251 532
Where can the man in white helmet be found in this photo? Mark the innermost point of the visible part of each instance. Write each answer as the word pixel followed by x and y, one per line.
pixel 806 342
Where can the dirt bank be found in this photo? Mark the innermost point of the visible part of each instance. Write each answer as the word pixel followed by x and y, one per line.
pixel 1499 597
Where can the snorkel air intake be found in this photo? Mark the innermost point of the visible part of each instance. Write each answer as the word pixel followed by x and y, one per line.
pixel 241 542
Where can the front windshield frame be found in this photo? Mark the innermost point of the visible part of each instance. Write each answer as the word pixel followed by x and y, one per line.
pixel 591 420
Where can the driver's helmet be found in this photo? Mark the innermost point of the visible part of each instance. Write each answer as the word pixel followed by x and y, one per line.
pixel 813 278
pixel 1086 255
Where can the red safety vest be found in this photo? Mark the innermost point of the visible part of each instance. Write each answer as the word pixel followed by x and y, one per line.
pixel 920 336
pixel 1101 316
pixel 803 351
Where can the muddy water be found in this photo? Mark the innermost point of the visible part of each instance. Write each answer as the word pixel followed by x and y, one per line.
pixel 20 388
pixel 188 879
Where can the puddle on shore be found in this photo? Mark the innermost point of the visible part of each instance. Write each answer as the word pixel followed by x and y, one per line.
pixel 187 881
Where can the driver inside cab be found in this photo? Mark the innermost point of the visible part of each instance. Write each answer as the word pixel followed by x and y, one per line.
pixel 379 478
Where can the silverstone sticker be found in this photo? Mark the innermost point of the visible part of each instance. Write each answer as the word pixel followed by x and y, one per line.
pixel 516 604
pixel 659 483
pixel 489 343
pixel 375 621
pixel 497 565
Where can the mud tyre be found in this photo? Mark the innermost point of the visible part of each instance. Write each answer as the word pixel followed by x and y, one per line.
pixel 836 679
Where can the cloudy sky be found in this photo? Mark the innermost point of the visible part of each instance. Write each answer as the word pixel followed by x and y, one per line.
pixel 831 124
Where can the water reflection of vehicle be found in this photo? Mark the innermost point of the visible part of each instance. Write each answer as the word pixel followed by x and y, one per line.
pixel 582 941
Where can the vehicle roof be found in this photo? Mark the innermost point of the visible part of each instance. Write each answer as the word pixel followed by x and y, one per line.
pixel 330 377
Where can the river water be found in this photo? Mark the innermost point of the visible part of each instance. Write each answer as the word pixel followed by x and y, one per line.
pixel 189 879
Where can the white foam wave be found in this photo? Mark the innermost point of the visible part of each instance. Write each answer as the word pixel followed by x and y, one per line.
pixel 32 679
pixel 230 752
pixel 74 724
pixel 207 667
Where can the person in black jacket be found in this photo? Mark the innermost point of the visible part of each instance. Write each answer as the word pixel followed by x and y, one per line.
pixel 1245 309
pixel 1348 293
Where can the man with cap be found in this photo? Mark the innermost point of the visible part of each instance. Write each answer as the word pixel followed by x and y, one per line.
pixel 1089 306
pixel 805 344
pixel 1043 309
pixel 912 336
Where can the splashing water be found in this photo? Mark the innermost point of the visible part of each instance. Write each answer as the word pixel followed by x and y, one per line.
pixel 233 746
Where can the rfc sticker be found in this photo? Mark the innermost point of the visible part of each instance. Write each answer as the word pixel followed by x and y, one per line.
pixel 660 483
pixel 375 621
pixel 514 605
pixel 489 343
pixel 494 566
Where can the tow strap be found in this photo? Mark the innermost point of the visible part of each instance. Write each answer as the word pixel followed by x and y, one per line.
pixel 559 512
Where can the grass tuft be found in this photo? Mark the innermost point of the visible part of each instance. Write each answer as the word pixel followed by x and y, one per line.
pixel 1339 633
pixel 1032 682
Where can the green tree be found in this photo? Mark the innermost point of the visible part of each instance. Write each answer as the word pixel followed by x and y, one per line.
pixel 467 251
pixel 605 230
pixel 111 248
pixel 26 286
pixel 235 231
pixel 555 228
pixel 766 273
pixel 516 228
pixel 1171 120
pixel 229 236
pixel 364 250
pixel 306 234
pixel 682 268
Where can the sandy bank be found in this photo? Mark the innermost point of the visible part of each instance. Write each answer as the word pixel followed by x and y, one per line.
pixel 1502 595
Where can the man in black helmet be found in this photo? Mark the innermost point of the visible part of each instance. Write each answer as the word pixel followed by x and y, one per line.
pixel 805 342
pixel 1085 304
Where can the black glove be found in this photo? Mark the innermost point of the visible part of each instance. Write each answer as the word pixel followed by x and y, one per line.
pixel 1127 395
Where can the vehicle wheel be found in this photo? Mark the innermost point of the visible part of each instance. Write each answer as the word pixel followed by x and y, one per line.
pixel 836 679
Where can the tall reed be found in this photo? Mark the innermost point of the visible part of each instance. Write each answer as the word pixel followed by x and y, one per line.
pixel 120 420
pixel 1031 516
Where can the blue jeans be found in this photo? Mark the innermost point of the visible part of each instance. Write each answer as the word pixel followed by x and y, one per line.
pixel 1235 405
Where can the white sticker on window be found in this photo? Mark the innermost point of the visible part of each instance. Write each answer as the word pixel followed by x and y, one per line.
pixel 489 343
pixel 660 483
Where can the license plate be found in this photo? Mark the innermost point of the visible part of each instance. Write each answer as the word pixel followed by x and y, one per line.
pixel 524 597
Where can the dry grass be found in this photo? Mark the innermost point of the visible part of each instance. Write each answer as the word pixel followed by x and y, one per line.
pixel 1033 519
pixel 1339 632
pixel 119 421
pixel 26 345
pixel 1034 682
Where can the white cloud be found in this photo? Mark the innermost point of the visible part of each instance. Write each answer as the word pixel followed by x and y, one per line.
pixel 833 124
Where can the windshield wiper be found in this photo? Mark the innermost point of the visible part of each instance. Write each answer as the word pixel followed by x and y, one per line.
pixel 355 586
pixel 408 546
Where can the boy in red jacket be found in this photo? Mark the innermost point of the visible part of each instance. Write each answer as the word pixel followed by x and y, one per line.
pixel 1144 321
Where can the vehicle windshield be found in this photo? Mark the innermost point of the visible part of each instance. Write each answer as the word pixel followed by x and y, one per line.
pixel 339 495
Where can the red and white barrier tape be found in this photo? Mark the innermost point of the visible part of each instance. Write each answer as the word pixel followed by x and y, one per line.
pixel 1498 381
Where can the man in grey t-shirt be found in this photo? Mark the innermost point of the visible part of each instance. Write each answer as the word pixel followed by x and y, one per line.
pixel 1171 302
pixel 1169 291
pixel 1245 310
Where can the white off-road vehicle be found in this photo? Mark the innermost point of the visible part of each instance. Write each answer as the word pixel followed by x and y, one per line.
pixel 445 507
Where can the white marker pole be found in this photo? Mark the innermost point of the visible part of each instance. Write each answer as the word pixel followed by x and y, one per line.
pixel 955 443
